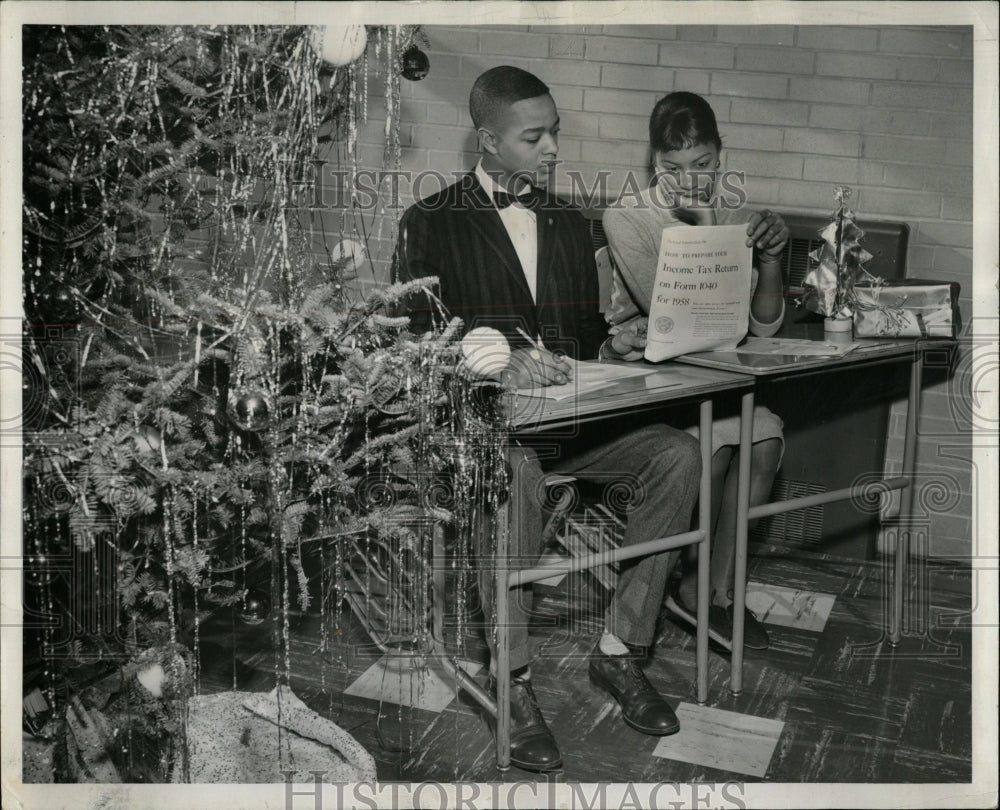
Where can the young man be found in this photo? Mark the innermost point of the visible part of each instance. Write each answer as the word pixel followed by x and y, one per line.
pixel 512 256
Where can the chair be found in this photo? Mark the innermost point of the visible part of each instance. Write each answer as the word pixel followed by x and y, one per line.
pixel 587 530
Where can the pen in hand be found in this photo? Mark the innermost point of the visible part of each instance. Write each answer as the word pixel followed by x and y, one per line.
pixel 559 375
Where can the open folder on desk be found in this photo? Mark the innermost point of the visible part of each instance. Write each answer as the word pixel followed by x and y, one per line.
pixel 587 376
pixel 793 346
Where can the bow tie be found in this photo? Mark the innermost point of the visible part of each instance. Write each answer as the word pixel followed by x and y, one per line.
pixel 503 199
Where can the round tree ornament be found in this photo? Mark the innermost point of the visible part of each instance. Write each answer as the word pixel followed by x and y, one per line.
pixel 486 351
pixel 152 679
pixel 249 410
pixel 414 64
pixel 254 609
pixel 349 254
pixel 341 44
pixel 57 303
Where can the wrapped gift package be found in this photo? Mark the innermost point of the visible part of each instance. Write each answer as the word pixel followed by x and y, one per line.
pixel 907 308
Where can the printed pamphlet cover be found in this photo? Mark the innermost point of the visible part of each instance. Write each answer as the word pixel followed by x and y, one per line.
pixel 701 295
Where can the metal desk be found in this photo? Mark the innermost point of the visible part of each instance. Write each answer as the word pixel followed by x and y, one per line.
pixel 764 368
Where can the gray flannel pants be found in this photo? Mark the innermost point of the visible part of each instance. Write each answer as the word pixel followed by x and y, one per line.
pixel 656 466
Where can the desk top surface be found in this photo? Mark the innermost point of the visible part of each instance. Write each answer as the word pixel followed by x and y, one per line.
pixel 665 383
pixel 761 365
pixel 694 375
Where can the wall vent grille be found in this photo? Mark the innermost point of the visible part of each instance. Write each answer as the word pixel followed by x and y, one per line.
pixel 798 527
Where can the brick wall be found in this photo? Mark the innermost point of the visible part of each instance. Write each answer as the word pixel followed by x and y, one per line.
pixel 886 110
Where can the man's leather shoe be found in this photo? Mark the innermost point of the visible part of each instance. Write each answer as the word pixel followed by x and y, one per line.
pixel 643 707
pixel 532 746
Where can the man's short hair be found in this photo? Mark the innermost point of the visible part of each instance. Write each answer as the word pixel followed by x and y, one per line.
pixel 498 88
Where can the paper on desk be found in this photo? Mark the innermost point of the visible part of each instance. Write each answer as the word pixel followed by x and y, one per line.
pixel 793 346
pixel 587 376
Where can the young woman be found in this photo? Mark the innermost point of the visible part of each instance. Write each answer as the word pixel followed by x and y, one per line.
pixel 686 146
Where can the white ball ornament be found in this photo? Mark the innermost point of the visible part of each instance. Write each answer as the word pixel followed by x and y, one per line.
pixel 486 351
pixel 351 253
pixel 342 44
pixel 152 679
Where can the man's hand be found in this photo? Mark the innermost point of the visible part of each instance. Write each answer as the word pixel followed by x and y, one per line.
pixel 768 232
pixel 532 368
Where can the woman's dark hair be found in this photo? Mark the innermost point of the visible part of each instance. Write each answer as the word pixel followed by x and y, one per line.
pixel 681 120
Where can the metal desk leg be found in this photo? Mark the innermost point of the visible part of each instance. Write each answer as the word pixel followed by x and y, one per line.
pixel 704 551
pixel 502 621
pixel 438 586
pixel 742 533
pixel 906 501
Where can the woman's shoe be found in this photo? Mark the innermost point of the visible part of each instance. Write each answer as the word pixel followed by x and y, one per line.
pixel 720 624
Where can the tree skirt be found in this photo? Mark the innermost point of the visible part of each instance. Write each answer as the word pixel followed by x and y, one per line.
pixel 232 737
pixel 36 758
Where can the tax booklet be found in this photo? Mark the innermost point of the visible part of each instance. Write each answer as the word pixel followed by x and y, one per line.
pixel 701 295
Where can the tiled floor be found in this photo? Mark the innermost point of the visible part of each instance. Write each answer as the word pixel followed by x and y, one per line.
pixel 829 701
pixel 728 741
pixel 404 680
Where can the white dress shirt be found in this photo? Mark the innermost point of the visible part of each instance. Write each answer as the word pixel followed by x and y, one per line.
pixel 521 226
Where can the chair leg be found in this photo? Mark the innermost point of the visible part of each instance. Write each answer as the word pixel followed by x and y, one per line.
pixel 580 541
pixel 560 512
pixel 582 537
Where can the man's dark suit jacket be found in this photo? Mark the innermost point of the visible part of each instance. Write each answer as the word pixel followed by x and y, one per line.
pixel 457 235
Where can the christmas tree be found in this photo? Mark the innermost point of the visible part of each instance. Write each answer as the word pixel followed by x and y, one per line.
pixel 204 396
pixel 837 264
